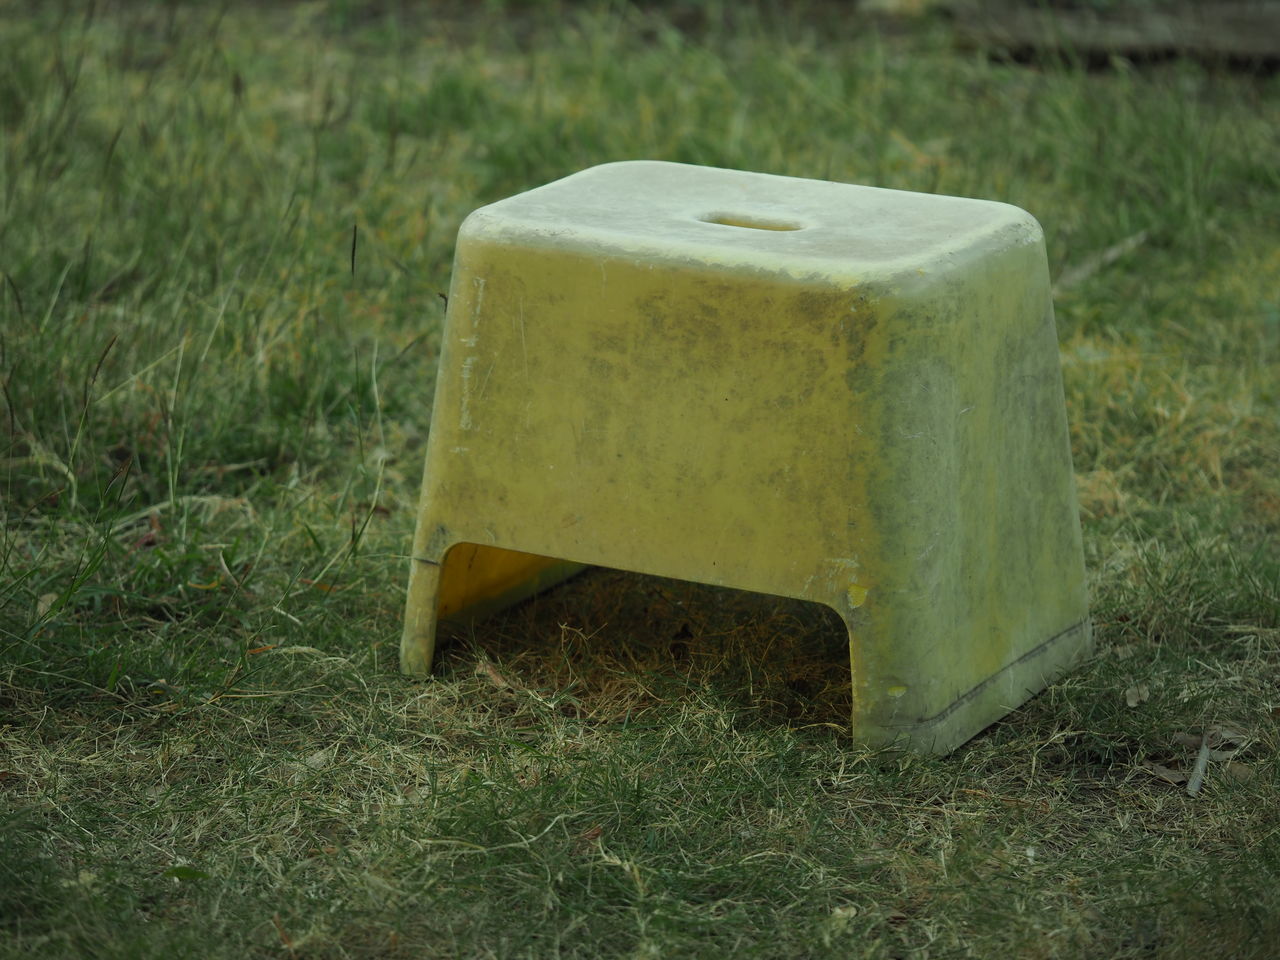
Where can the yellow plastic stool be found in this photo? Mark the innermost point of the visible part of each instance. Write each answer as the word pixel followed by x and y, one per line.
pixel 842 394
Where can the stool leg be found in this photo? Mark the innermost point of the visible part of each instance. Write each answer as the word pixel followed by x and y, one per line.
pixel 471 582
pixel 418 642
pixel 900 698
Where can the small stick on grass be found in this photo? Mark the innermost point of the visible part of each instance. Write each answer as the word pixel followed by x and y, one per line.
pixel 1196 780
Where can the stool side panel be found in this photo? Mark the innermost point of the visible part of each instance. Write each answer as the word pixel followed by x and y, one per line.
pixel 980 559
pixel 702 429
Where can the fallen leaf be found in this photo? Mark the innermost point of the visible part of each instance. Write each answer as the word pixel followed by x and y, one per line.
pixel 1224 738
pixel 487 669
pixel 1223 743
pixel 1240 772
pixel 1139 693
pixel 588 839
pixel 1175 777
pixel 148 539
pixel 45 603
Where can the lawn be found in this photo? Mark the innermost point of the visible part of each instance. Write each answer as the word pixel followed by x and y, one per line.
pixel 225 236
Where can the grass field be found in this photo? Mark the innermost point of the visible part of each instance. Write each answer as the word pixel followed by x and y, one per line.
pixel 211 440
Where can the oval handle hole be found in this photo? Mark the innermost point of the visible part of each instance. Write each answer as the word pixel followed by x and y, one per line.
pixel 751 223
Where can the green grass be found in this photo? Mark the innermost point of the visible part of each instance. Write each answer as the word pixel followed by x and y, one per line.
pixel 211 441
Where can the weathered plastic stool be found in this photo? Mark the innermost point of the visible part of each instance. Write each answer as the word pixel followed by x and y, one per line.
pixel 841 394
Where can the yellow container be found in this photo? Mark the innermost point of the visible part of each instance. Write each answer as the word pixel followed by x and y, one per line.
pixel 842 394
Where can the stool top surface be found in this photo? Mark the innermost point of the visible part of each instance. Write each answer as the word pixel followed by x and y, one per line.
pixel 681 212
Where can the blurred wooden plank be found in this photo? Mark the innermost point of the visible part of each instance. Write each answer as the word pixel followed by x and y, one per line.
pixel 1241 30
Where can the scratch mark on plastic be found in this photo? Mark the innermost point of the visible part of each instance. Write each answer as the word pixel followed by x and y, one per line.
pixel 524 347
pixel 468 385
pixel 468 363
pixel 488 372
